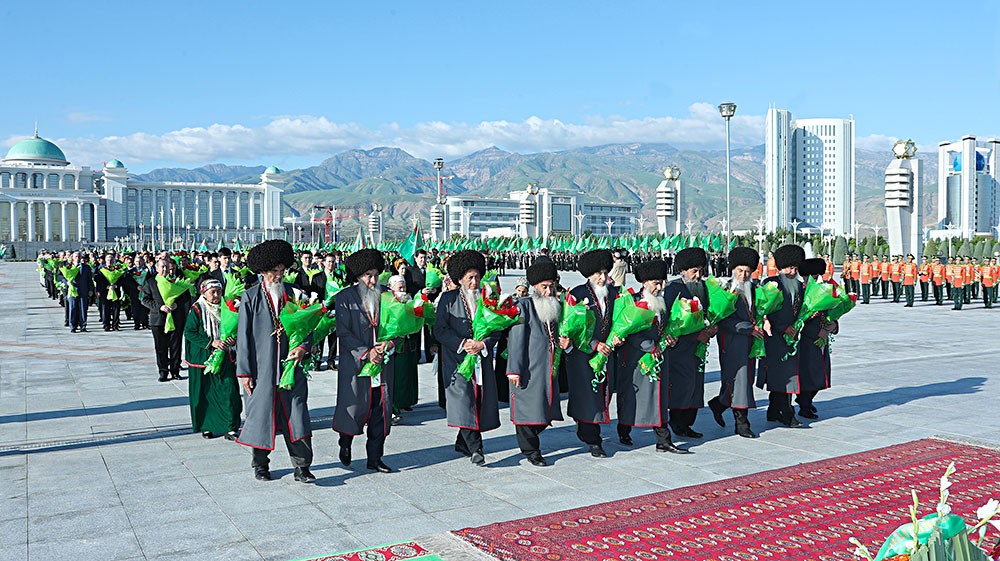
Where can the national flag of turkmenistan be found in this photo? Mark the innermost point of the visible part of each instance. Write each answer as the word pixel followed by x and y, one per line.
pixel 360 242
pixel 203 246
pixel 412 243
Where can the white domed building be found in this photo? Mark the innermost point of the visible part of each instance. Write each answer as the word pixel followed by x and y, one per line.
pixel 45 202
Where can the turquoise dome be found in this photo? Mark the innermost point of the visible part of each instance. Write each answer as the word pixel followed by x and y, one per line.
pixel 36 149
pixel 272 169
pixel 114 164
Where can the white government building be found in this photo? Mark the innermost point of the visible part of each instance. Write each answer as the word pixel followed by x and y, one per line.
pixel 968 188
pixel 809 174
pixel 532 212
pixel 47 202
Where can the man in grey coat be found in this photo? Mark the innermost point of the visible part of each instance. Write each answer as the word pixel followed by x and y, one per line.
pixel 736 336
pixel 588 405
pixel 534 395
pixel 471 404
pixel 363 400
pixel 262 346
pixel 779 372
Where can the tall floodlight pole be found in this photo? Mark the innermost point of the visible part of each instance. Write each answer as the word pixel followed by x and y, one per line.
pixel 795 227
pixel 759 223
pixel 438 164
pixel 609 223
pixel 579 223
pixel 727 110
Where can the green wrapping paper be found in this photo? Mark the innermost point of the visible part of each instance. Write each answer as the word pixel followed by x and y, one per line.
pixel 767 299
pixel 721 304
pixel 895 544
pixel 235 287
pixel 846 304
pixel 327 325
pixel 229 316
pixel 298 322
pixel 396 319
pixel 290 276
pixel 333 286
pixel 170 291
pixel 430 314
pixel 486 320
pixel 70 273
pixel 627 318
pixel 819 297
pixel 383 278
pixel 687 316
pixel 192 272
pixel 577 323
pixel 310 273
pixel 140 277
pixel 112 275
pixel 434 277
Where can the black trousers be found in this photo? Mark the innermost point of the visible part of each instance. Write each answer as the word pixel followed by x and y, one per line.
pixel 527 439
pixel 168 348
pixel 895 291
pixel 938 294
pixel 988 296
pixel 470 439
pixel 924 290
pixel 331 343
pixel 682 418
pixel 958 296
pixel 140 313
pixel 779 404
pixel 908 290
pixel 662 432
pixel 299 452
pixel 112 314
pixel 375 444
pixel 588 433
pixel 866 292
pixel 805 399
pixel 885 289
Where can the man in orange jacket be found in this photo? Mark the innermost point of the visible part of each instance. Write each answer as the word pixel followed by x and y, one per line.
pixel 896 276
pixel 968 277
pixel 883 271
pixel 866 280
pixel 937 279
pixel 925 277
pixel 909 278
pixel 986 272
pixel 957 283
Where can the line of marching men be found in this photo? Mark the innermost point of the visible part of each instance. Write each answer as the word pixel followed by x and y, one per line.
pixel 961 280
pixel 667 401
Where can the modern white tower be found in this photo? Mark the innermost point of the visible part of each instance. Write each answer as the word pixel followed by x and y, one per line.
pixel 668 202
pixel 809 173
pixel 902 200
pixel 968 185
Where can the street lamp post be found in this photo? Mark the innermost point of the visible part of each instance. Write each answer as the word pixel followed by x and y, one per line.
pixel 173 224
pixel 579 223
pixel 876 228
pixel 438 164
pixel 688 225
pixel 609 223
pixel 795 226
pixel 640 220
pixel 759 223
pixel 727 110
pixel 245 234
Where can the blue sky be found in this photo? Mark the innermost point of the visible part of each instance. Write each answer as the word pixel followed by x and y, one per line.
pixel 185 84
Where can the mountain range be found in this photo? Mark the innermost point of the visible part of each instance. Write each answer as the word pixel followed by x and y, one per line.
pixel 353 179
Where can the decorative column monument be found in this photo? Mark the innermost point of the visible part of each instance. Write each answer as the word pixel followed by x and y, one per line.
pixel 902 200
pixel 668 202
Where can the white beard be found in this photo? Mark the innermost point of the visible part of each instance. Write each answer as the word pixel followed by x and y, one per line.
pixel 370 298
pixel 600 292
pixel 471 297
pixel 547 308
pixel 745 288
pixel 655 303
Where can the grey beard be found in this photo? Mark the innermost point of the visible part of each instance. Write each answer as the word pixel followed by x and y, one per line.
pixel 655 303
pixel 547 308
pixel 471 296
pixel 790 284
pixel 745 288
pixel 600 292
pixel 370 298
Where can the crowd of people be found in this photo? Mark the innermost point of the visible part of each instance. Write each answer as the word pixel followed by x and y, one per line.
pixel 248 382
pixel 961 280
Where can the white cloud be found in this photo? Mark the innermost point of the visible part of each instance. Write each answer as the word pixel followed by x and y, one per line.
pixel 316 136
pixel 84 117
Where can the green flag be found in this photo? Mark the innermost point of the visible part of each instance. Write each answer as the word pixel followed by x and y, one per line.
pixel 360 242
pixel 412 243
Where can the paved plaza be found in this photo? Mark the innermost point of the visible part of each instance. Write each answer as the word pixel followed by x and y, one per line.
pixel 97 459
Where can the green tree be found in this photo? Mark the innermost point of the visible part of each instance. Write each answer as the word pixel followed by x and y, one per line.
pixel 839 250
pixel 869 249
pixel 977 252
pixel 930 248
pixel 965 250
pixel 993 252
pixel 765 248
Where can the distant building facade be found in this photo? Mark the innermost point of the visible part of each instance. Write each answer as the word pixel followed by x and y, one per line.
pixel 968 185
pixel 47 202
pixel 809 173
pixel 532 212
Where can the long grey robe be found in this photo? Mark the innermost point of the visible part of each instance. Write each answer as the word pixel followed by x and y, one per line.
pixel 259 355
pixel 529 354
pixel 738 369
pixel 585 404
pixel 356 332
pixel 814 362
pixel 774 374
pixel 451 327
pixel 642 402
pixel 687 377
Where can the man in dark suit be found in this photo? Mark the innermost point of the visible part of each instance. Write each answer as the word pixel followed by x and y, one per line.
pixel 319 287
pixel 416 279
pixel 83 285
pixel 167 344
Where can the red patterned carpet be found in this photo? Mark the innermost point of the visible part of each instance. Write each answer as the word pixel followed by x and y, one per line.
pixel 806 512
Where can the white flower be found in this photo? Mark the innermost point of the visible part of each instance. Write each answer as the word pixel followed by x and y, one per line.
pixel 988 510
pixel 996 524
pixel 945 483
pixel 943 510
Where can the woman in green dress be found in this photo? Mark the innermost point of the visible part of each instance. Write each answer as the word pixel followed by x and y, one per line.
pixel 215 396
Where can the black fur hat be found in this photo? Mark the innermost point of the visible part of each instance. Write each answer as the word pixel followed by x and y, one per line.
pixel 595 261
pixel 652 270
pixel 364 260
pixel 269 254
pixel 747 256
pixel 462 261
pixel 690 258
pixel 811 267
pixel 789 256
pixel 541 271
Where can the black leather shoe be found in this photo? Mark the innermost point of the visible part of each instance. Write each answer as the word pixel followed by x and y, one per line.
pixel 231 436
pixel 207 434
pixel 478 458
pixel 597 451
pixel 537 461
pixel 175 377
pixel 717 410
pixel 670 447
pixel 626 440
pixel 304 475
pixel 396 419
pixel 807 414
pixel 73 330
pixel 345 455
pixel 262 474
pixel 162 378
pixel 379 467
pixel 745 432
pixel 791 423
pixel 84 330
pixel 688 432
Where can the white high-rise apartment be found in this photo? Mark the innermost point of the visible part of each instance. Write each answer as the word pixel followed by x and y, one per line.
pixel 809 173
pixel 968 185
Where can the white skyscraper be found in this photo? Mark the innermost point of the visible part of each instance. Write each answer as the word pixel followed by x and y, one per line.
pixel 968 184
pixel 809 173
